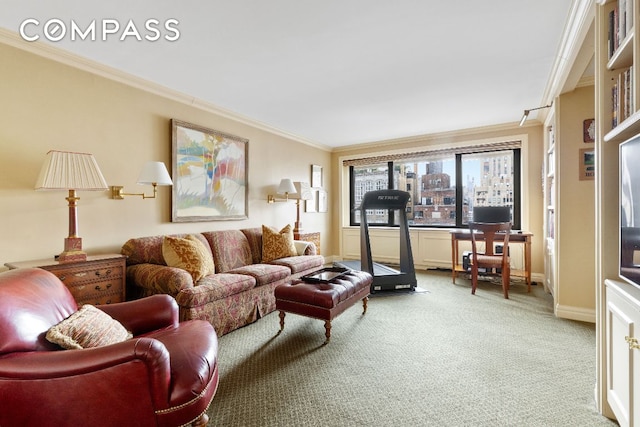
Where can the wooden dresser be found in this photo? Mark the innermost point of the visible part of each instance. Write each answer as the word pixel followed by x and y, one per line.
pixel 98 280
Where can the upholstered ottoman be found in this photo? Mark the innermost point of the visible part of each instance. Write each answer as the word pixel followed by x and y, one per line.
pixel 323 300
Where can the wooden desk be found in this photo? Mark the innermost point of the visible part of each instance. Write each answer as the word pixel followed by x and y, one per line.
pixel 520 237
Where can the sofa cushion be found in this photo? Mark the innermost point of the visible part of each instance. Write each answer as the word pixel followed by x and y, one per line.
pixel 277 244
pixel 148 250
pixel 189 254
pixel 86 328
pixel 215 287
pixel 254 237
pixel 230 249
pixel 301 263
pixel 264 273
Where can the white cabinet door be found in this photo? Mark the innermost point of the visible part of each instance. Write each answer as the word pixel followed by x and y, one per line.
pixel 623 351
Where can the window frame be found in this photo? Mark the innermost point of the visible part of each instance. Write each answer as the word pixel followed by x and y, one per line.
pixel 459 193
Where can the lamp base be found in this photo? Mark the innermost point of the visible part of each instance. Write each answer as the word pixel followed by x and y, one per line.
pixel 72 256
pixel 72 250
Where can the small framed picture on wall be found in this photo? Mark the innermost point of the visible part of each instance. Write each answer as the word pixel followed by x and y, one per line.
pixel 316 176
pixel 587 164
pixel 311 204
pixel 589 130
pixel 322 201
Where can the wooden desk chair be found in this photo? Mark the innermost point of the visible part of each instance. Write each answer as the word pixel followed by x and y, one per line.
pixel 496 264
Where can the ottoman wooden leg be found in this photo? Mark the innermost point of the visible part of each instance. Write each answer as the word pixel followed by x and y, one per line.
pixel 364 304
pixel 282 314
pixel 327 329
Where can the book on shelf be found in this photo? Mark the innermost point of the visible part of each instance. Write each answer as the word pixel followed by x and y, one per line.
pixel 614 105
pixel 622 106
pixel 612 34
pixel 620 24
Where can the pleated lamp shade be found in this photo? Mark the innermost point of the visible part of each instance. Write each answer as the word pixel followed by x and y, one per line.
pixel 64 170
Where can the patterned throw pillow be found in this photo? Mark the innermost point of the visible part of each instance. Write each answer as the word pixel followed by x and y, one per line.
pixel 189 254
pixel 277 244
pixel 86 328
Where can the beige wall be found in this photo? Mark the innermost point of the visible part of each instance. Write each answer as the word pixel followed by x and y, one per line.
pixel 575 269
pixel 532 168
pixel 47 105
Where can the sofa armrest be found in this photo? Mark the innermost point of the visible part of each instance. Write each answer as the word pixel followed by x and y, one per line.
pixel 159 279
pixel 305 248
pixel 145 314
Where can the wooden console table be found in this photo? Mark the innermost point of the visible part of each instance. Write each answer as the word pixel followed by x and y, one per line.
pixel 98 280
pixel 519 237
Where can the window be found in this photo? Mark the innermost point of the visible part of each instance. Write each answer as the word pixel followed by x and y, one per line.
pixel 444 187
pixel 364 179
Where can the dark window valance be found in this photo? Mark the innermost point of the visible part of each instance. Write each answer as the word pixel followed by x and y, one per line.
pixel 434 153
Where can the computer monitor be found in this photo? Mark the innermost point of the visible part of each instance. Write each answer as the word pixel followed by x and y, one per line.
pixel 492 214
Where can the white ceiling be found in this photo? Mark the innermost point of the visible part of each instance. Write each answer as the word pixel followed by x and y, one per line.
pixel 332 72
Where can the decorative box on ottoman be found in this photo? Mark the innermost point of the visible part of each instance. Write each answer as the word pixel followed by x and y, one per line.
pixel 323 298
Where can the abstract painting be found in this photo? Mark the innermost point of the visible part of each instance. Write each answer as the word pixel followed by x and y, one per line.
pixel 209 174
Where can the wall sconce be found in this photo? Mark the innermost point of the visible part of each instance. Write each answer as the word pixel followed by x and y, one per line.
pixel 64 170
pixel 526 113
pixel 286 187
pixel 153 173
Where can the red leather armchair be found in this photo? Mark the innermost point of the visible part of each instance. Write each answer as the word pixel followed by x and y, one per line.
pixel 166 375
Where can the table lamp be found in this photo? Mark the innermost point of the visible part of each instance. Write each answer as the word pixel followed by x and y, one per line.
pixel 64 170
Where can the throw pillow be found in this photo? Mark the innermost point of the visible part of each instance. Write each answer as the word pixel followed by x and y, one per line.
pixel 189 254
pixel 86 328
pixel 277 244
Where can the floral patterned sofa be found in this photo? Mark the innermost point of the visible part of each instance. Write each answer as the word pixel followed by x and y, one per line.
pixel 241 288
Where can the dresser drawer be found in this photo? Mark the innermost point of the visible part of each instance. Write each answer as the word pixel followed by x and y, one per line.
pixel 88 274
pixel 87 296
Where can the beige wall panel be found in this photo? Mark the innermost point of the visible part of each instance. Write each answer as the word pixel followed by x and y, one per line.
pixel 49 105
pixel 576 206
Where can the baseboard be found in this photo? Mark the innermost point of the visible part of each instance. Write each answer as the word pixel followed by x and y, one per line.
pixel 538 278
pixel 576 313
pixel 328 260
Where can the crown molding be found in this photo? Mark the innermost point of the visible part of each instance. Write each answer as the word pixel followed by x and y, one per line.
pixel 581 16
pixel 62 56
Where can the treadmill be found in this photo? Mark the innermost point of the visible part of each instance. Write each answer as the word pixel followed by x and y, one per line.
pixel 385 278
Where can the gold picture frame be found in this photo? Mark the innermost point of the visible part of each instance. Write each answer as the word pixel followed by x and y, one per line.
pixel 210 174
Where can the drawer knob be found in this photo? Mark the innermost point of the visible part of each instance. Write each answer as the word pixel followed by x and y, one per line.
pixel 99 288
pixel 106 273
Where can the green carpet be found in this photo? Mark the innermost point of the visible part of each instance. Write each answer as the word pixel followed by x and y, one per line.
pixel 435 357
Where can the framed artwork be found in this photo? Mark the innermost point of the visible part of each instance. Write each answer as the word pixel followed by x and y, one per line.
pixel 322 201
pixel 589 130
pixel 311 204
pixel 587 164
pixel 210 175
pixel 316 176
